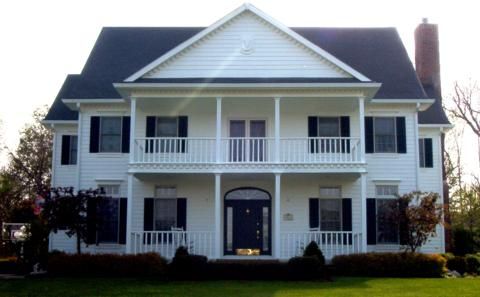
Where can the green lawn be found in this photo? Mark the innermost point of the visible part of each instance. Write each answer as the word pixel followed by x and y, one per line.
pixel 340 287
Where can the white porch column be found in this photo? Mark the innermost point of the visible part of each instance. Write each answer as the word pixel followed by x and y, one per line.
pixel 218 207
pixel 277 129
pixel 128 241
pixel 276 236
pixel 133 113
pixel 363 197
pixel 361 118
pixel 133 116
pixel 218 135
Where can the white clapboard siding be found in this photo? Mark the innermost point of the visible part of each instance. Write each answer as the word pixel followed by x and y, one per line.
pixel 273 54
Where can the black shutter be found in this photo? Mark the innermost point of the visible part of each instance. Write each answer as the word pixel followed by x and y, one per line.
pixel 94 134
pixel 122 223
pixel 148 219
pixel 313 132
pixel 182 213
pixel 150 132
pixel 148 214
pixel 313 210
pixel 428 153
pixel 345 132
pixel 347 214
pixel 401 136
pixel 371 221
pixel 182 132
pixel 369 137
pixel 125 134
pixel 65 150
pixel 403 230
pixel 91 221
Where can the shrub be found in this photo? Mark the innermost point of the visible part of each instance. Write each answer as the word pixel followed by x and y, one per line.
pixel 188 267
pixel 247 270
pixel 473 263
pixel 108 265
pixel 305 268
pixel 312 250
pixel 390 265
pixel 458 264
pixel 463 242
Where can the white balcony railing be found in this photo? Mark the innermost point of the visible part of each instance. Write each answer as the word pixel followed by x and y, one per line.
pixel 174 150
pixel 308 150
pixel 320 150
pixel 248 150
pixel 166 242
pixel 331 243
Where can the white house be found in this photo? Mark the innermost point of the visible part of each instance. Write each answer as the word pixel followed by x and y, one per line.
pixel 250 138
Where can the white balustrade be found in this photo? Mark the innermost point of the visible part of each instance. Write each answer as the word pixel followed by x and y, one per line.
pixel 166 243
pixel 331 243
pixel 248 150
pixel 174 150
pixel 299 150
pixel 320 150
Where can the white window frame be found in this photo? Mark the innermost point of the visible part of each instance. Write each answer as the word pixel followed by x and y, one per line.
pixel 339 132
pixel 164 197
pixel 157 118
pixel 330 198
pixel 394 134
pixel 384 197
pixel 114 197
pixel 100 134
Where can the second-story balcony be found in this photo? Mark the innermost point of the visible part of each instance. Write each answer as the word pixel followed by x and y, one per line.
pixel 247 150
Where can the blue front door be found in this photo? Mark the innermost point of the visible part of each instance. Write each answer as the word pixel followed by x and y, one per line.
pixel 247 227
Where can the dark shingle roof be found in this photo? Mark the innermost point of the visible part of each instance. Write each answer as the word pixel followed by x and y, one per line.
pixel 377 53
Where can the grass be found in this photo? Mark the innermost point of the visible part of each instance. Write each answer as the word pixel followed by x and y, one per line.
pixel 341 287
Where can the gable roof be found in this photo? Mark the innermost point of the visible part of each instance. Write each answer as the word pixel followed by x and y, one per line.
pixel 378 53
pixel 223 22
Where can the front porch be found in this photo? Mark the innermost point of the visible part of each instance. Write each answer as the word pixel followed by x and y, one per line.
pixel 245 216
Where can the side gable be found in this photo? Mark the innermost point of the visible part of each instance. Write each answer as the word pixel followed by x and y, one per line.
pixel 247 43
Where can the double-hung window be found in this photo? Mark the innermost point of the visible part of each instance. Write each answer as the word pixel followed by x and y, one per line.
pixel 385 134
pixel 167 134
pixel 425 150
pixel 111 134
pixel 387 227
pixel 165 209
pixel 69 150
pixel 326 133
pixel 330 213
pixel 109 214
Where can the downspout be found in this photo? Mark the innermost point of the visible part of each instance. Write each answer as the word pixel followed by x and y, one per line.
pixel 79 146
pixel 417 155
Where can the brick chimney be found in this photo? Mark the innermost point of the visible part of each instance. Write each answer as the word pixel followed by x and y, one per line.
pixel 427 58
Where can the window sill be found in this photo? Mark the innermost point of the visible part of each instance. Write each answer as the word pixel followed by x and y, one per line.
pixel 109 155
pixel 386 155
pixel 108 245
pixel 67 165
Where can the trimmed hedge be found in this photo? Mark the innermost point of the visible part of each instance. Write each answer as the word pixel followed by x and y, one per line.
pixel 107 265
pixel 305 268
pixel 469 263
pixel 247 270
pixel 390 265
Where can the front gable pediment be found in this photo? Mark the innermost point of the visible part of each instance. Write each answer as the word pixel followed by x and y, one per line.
pixel 247 43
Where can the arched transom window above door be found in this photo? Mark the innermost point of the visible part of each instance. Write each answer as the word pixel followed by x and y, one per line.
pixel 247 194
